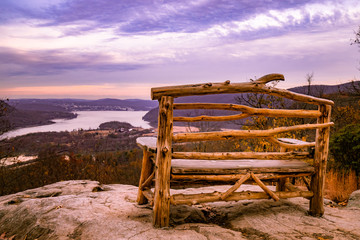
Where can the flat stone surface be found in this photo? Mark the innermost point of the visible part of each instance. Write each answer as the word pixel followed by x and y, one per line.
pixel 87 210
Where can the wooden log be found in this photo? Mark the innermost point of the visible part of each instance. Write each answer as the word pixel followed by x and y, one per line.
pixel 146 170
pixel 235 186
pixel 225 167
pixel 234 177
pixel 250 110
pixel 307 183
pixel 149 195
pixel 225 135
pixel 286 146
pixel 240 155
pixel 209 88
pixel 211 118
pixel 266 189
pixel 280 184
pixel 291 187
pixel 148 181
pixel 163 163
pixel 248 87
pixel 320 160
pixel 192 199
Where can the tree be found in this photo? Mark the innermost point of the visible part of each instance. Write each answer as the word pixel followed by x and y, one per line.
pixel 357 38
pixel 309 79
pixel 4 111
pixel 345 148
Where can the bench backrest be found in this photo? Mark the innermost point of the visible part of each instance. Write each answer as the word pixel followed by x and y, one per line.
pixel 166 96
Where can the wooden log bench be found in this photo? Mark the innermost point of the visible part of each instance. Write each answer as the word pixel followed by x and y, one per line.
pixel 164 167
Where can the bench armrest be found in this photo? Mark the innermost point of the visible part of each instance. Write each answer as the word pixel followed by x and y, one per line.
pixel 147 143
pixel 292 141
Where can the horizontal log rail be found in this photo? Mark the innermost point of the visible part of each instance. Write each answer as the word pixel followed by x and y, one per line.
pixel 290 145
pixel 225 135
pixel 292 187
pixel 192 199
pixel 246 112
pixel 211 118
pixel 257 86
pixel 240 155
pixel 234 177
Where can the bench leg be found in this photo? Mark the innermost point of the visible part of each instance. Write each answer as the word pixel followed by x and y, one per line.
pixel 320 159
pixel 163 163
pixel 146 171
pixel 317 201
pixel 280 185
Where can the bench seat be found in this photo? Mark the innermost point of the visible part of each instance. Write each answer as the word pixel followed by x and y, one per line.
pixel 196 166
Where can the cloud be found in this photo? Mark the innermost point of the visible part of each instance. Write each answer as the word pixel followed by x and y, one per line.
pixel 148 17
pixel 16 63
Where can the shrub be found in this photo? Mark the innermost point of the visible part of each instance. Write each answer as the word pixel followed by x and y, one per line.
pixel 345 148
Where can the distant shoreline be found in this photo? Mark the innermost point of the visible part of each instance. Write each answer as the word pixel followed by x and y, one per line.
pixel 83 120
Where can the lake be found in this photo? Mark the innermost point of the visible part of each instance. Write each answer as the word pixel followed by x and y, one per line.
pixel 85 120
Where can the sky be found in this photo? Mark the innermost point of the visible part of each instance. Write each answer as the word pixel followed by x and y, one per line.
pixel 121 48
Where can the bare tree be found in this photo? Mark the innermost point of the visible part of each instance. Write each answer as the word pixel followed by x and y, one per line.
pixel 4 111
pixel 355 85
pixel 309 79
pixel 357 38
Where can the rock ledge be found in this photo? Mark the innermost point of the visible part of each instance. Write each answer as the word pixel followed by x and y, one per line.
pixel 87 210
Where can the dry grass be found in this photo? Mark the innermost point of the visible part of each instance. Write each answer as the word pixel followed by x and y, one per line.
pixel 340 184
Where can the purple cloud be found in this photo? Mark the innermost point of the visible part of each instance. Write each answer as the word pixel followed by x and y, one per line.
pixel 142 17
pixel 51 62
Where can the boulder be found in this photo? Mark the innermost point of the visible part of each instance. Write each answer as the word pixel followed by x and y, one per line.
pixel 354 200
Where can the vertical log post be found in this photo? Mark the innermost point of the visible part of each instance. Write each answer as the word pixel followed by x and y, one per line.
pixel 280 184
pixel 320 160
pixel 163 163
pixel 146 170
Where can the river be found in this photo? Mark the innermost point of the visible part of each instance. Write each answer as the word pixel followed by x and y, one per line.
pixel 85 120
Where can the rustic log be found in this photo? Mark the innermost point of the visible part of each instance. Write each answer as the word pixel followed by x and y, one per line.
pixel 286 146
pixel 307 183
pixel 240 155
pixel 148 181
pixel 280 184
pixel 234 177
pixel 250 110
pixel 225 135
pixel 320 160
pixel 149 196
pixel 179 199
pixel 248 87
pixel 163 163
pixel 211 118
pixel 196 166
pixel 266 189
pixel 209 88
pixel 234 187
pixel 146 170
pixel 291 187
